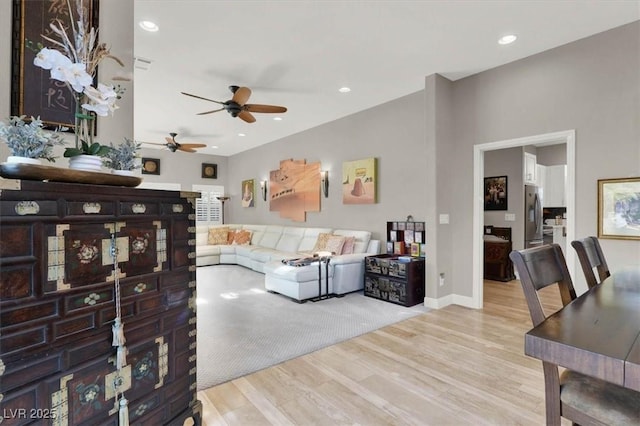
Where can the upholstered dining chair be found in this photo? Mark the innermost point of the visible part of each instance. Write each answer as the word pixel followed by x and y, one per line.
pixel 577 397
pixel 591 256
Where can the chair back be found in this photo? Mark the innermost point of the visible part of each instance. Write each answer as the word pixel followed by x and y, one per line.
pixel 591 256
pixel 540 267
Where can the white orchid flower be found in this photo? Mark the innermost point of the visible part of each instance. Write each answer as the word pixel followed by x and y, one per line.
pixel 49 58
pixel 73 73
pixel 103 99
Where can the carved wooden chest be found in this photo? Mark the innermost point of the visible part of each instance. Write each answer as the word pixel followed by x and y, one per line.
pixel 72 259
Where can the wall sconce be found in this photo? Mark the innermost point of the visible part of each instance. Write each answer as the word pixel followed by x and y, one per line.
pixel 325 182
pixel 263 186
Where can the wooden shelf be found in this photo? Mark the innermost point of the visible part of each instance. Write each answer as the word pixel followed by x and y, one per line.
pixel 59 174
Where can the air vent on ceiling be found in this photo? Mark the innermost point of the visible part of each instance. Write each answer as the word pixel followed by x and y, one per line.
pixel 142 63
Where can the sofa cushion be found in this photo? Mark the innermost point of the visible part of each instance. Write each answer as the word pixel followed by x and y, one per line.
pixel 348 246
pixel 257 232
pixel 207 250
pixel 321 242
pixel 202 236
pixel 309 239
pixel 242 237
pixel 271 236
pixel 362 238
pixel 334 244
pixel 290 239
pixel 218 235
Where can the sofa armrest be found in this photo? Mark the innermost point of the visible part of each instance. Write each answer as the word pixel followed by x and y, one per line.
pixel 343 259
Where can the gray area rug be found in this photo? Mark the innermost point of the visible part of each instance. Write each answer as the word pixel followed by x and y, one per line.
pixel 242 328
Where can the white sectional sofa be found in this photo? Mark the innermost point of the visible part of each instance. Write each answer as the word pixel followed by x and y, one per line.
pixel 270 244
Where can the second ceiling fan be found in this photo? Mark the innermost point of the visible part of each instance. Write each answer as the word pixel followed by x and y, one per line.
pixel 237 106
pixel 174 145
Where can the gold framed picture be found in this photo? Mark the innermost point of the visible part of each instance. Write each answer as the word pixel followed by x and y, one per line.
pixel 209 171
pixel 150 166
pixel 619 208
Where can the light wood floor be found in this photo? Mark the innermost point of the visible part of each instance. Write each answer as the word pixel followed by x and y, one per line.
pixel 450 366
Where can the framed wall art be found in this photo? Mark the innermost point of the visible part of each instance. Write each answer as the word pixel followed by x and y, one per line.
pixel 495 193
pixel 248 193
pixel 33 92
pixel 619 208
pixel 209 171
pixel 150 166
pixel 359 181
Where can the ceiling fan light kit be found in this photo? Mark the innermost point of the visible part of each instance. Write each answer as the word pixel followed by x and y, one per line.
pixel 237 106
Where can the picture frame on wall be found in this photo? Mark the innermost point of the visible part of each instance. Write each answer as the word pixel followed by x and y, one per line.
pixel 34 93
pixel 619 208
pixel 496 193
pixel 150 166
pixel 248 193
pixel 209 171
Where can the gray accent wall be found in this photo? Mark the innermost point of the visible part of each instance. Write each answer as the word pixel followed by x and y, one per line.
pixel 592 86
pixel 393 133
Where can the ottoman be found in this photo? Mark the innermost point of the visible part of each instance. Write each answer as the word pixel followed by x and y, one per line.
pixel 300 283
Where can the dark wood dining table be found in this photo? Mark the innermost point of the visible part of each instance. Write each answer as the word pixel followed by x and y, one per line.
pixel 597 334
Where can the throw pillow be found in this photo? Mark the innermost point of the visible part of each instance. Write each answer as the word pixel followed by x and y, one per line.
pixel 334 244
pixel 321 242
pixel 242 237
pixel 218 236
pixel 231 236
pixel 349 245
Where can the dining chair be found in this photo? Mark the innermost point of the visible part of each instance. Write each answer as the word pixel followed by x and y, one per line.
pixel 577 397
pixel 591 256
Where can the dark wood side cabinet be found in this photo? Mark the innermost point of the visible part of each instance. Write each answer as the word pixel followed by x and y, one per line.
pixel 396 279
pixel 57 304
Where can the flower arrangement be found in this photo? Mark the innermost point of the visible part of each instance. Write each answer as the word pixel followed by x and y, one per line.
pixel 74 61
pixel 29 140
pixel 123 156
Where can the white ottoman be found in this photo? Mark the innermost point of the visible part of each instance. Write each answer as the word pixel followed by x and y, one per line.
pixel 297 282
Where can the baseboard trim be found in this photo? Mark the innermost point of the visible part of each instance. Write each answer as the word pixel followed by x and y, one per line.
pixel 449 299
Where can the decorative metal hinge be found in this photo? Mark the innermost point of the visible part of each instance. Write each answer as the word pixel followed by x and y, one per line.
pixel 163 361
pixel 60 403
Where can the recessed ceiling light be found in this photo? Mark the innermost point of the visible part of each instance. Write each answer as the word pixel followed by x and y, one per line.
pixel 214 147
pixel 507 39
pixel 277 118
pixel 241 134
pixel 344 90
pixel 149 26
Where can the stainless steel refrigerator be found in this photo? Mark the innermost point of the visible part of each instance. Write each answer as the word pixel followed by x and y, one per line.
pixel 532 217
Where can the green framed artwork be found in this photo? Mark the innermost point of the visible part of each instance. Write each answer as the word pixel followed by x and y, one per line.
pixel 248 193
pixel 359 181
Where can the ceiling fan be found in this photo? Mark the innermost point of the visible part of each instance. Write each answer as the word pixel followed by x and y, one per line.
pixel 174 146
pixel 237 106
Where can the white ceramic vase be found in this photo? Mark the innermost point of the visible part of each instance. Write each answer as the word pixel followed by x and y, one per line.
pixel 84 162
pixel 123 172
pixel 23 160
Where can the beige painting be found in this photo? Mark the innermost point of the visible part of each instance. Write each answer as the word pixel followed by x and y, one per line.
pixel 294 189
pixel 359 181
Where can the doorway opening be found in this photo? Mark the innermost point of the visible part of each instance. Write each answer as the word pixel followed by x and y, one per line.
pixel 567 137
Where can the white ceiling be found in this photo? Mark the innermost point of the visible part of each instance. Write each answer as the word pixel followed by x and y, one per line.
pixel 298 53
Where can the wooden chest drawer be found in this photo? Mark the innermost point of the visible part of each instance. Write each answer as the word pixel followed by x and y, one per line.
pixel 68 254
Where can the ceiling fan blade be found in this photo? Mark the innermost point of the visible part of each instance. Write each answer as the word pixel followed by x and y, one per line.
pixel 186 149
pixel 193 145
pixel 246 116
pixel 170 141
pixel 264 108
pixel 204 99
pixel 210 112
pixel 241 96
